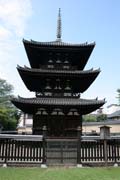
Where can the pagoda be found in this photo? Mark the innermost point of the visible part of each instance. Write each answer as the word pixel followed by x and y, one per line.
pixel 57 76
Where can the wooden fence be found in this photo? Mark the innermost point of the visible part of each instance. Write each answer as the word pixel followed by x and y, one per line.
pixel 91 151
pixel 94 151
pixel 35 149
pixel 21 149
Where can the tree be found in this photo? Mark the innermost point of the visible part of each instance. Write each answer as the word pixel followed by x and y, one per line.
pixel 8 113
pixel 94 118
pixel 118 97
pixel 101 117
pixel 89 118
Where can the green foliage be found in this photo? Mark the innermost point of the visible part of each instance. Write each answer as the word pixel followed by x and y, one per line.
pixel 94 118
pixel 101 117
pixel 8 113
pixel 89 118
pixel 8 118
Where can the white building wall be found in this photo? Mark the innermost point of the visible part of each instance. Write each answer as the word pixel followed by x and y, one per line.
pixel 111 109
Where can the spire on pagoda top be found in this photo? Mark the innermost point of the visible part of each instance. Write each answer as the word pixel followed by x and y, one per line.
pixel 59 33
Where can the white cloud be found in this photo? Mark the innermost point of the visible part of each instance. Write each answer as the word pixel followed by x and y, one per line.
pixel 4 33
pixel 14 14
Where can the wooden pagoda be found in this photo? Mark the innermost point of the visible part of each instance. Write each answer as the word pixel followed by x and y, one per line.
pixel 57 77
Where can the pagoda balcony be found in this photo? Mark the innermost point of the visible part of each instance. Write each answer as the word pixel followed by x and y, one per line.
pixel 55 66
pixel 58 95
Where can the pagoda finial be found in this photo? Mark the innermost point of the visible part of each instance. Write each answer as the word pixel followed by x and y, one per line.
pixel 59 26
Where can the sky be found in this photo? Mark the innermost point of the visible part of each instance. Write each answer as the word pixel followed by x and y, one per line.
pixel 82 20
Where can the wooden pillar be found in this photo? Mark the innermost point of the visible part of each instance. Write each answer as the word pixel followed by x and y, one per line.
pixel 79 145
pixel 6 150
pixel 115 150
pixel 24 119
pixel 105 152
pixel 44 144
pixel 105 135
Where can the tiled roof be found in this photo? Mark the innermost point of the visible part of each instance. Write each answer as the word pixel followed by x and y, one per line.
pixel 102 123
pixel 39 52
pixel 31 105
pixel 58 101
pixel 57 43
pixel 56 71
pixel 115 114
pixel 79 80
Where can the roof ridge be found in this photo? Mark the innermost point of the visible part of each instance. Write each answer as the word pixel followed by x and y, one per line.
pixel 58 43
pixel 58 70
pixel 65 98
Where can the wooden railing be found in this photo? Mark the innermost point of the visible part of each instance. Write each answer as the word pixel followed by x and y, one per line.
pixel 92 150
pixel 25 149
pixel 38 150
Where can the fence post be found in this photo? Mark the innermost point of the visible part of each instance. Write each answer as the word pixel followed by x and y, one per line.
pixel 43 165
pixel 105 152
pixel 79 146
pixel 114 143
pixel 6 154
pixel 105 135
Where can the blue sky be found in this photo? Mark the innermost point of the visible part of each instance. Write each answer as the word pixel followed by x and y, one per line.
pixel 82 20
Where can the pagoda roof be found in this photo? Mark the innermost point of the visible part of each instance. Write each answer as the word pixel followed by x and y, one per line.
pixel 38 52
pixel 30 105
pixel 58 43
pixel 80 80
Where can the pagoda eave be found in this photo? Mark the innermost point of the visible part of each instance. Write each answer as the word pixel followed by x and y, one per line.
pixel 31 105
pixel 38 52
pixel 57 43
pixel 34 79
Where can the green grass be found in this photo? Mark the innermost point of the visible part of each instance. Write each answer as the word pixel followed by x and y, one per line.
pixel 60 174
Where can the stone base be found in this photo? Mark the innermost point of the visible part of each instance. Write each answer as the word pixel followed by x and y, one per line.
pixel 79 166
pixel 43 166
pixel 115 165
pixel 4 165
